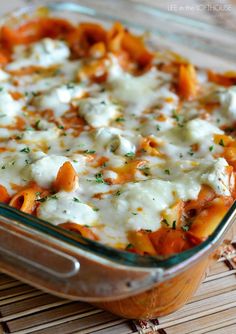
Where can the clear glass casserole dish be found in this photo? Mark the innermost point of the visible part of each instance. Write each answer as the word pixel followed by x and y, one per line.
pixel 71 266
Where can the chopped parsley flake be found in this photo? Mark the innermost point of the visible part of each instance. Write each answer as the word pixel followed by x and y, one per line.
pixel 185 228
pixel 211 148
pixel 167 171
pixel 191 153
pixel 120 119
pixel 165 222
pixel 221 143
pixel 118 193
pixel 145 170
pixel 75 199
pixel 53 197
pixel 3 167
pixel 43 199
pixel 130 154
pixel 129 246
pixel 37 124
pixel 70 85
pixel 25 150
pixel 99 178
pixel 89 151
pixel 175 115
pixel 158 128
pixel 134 213
pixel 20 136
pixel 95 209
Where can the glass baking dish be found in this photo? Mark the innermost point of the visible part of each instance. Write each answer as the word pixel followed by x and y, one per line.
pixel 68 265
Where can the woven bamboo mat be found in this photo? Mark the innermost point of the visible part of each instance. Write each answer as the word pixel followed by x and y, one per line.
pixel 212 310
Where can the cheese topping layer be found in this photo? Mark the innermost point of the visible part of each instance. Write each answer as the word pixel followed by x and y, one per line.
pixel 136 145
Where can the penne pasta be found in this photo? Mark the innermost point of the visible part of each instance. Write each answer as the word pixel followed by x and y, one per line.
pixel 67 178
pixel 121 143
pixel 25 200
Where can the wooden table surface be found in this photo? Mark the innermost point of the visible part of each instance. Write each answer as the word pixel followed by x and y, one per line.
pixel 215 300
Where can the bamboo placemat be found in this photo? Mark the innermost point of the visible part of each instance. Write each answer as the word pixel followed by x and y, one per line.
pixel 25 310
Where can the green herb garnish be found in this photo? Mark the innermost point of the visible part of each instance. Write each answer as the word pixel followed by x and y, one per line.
pixel 130 154
pixel 221 143
pixel 61 127
pixel 89 151
pixel 120 119
pixel 53 197
pixel 165 222
pixel 25 150
pixel 118 193
pixel 43 199
pixel 99 178
pixel 75 199
pixel 37 124
pixel 211 148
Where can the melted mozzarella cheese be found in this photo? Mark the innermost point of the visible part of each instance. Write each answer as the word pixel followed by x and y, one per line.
pixel 3 75
pixel 12 170
pixel 9 108
pixel 120 113
pixel 114 140
pixel 58 99
pixel 122 146
pixel 44 53
pixel 44 170
pixel 98 111
pixel 63 207
pixel 140 204
pixel 227 99
pixel 41 136
pixel 216 177
pixel 198 130
pixel 140 92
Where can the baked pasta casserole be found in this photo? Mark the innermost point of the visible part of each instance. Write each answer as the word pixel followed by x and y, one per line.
pixel 131 147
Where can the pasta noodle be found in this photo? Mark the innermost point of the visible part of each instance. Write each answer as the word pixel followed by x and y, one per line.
pixel 132 147
pixel 67 178
pixel 24 200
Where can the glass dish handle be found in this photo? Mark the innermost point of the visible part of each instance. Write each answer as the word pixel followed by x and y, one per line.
pixel 60 268
pixel 42 257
